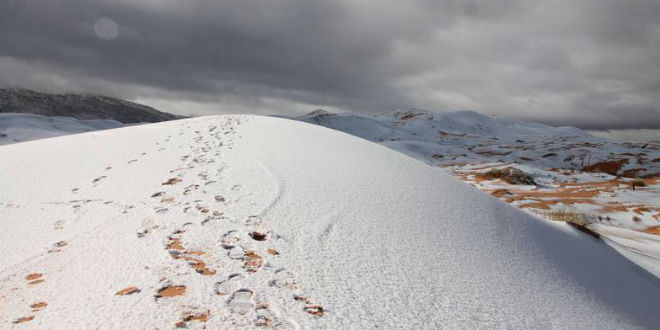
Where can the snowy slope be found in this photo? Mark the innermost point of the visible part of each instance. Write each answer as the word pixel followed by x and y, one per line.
pixel 578 177
pixel 98 232
pixel 19 127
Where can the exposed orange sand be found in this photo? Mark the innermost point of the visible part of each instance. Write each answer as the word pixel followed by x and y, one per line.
pixel 171 291
pixel 315 310
pixel 33 276
pixel 655 230
pixel 175 244
pixel 24 319
pixel 127 291
pixel 200 317
pixel 500 192
pixel 38 306
pixel 253 261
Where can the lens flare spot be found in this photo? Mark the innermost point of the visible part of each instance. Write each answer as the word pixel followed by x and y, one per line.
pixel 105 28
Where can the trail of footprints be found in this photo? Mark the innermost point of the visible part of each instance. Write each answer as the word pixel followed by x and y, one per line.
pixel 33 280
pixel 241 301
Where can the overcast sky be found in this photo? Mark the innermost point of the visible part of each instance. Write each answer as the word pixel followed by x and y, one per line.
pixel 587 63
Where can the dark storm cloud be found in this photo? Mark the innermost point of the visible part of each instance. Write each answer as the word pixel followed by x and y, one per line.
pixel 590 63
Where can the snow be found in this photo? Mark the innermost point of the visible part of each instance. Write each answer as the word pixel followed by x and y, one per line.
pixel 467 145
pixel 365 237
pixel 19 127
pixel 642 248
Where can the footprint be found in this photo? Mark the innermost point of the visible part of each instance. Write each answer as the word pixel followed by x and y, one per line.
pixel 198 265
pixel 34 278
pixel 59 224
pixel 253 261
pixel 171 291
pixel 254 219
pixel 315 310
pixel 57 247
pixel 128 290
pixel 99 179
pixel 229 239
pixel 38 306
pixel 236 252
pixel 158 194
pixel 241 301
pixel 310 308
pixel 258 236
pixel 190 316
pixel 284 279
pixel 24 319
pixel 232 282
pixel 171 181
pixel 175 244
pixel 265 317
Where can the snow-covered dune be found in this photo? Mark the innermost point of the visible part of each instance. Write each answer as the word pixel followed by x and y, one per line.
pixel 20 127
pixel 238 221
pixel 572 175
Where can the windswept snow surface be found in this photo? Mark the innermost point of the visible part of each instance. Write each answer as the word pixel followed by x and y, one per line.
pixel 19 127
pixel 578 177
pixel 149 227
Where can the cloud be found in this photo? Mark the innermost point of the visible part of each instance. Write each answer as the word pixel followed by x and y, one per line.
pixel 591 63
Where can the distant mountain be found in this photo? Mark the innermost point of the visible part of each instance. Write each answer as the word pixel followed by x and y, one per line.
pixel 78 106
pixel 21 127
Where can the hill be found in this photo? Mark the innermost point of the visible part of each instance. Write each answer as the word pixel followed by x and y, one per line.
pixel 79 106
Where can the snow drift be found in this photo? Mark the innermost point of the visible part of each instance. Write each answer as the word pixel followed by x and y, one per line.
pixel 154 226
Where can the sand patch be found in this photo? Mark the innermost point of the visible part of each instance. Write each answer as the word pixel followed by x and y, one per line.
pixel 127 291
pixel 171 291
pixel 654 230
pixel 175 244
pixel 199 317
pixel 33 276
pixel 501 192
pixel 24 319
pixel 38 306
pixel 610 167
pixel 253 261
